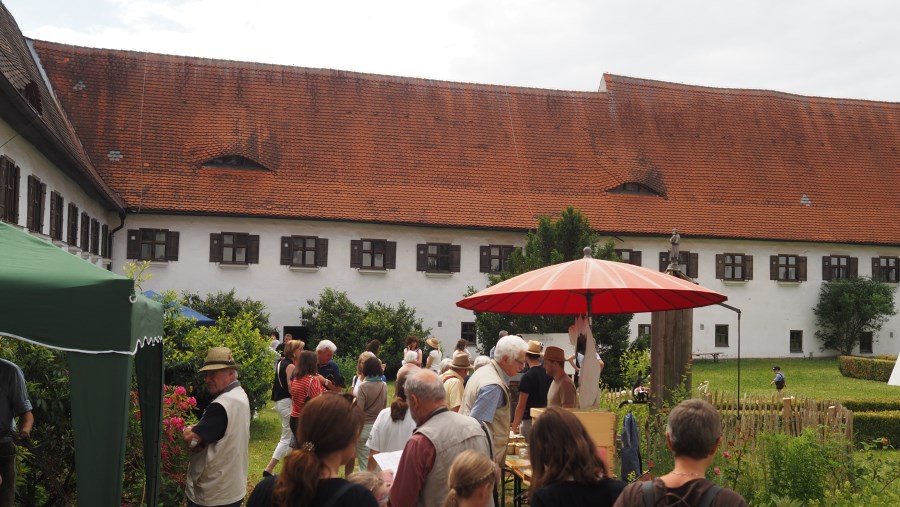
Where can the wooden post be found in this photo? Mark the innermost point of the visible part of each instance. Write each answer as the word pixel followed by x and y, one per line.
pixel 670 353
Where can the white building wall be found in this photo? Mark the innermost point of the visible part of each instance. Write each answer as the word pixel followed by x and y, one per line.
pixel 770 309
pixel 33 162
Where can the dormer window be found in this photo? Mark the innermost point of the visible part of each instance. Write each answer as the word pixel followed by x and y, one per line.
pixel 33 95
pixel 234 162
pixel 633 187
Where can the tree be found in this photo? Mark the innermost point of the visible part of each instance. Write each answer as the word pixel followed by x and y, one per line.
pixel 334 317
pixel 552 242
pixel 226 304
pixel 849 307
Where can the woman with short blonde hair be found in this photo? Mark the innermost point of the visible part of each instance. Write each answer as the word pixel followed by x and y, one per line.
pixel 471 480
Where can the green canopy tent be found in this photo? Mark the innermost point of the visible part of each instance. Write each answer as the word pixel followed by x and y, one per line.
pixel 53 298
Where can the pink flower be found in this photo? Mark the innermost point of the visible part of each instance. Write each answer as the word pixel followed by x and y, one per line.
pixel 717 471
pixel 180 391
pixel 727 455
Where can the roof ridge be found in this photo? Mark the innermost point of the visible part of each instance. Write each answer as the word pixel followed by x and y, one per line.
pixel 315 70
pixel 609 78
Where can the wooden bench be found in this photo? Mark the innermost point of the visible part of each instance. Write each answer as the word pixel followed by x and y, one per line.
pixel 713 355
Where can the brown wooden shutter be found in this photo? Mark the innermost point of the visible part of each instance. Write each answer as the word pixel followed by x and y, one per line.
pixel 663 261
pixel 356 253
pixel 54 215
pixel 85 231
pixel 133 246
pixel 215 247
pixel 455 257
pixel 4 185
pixel 421 257
pixel 876 268
pixel 104 241
pixel 748 267
pixel 172 245
pixel 636 257
pixel 773 267
pixel 41 195
pixel 253 249
pixel 720 266
pixel 390 255
pixel 322 252
pixel 286 250
pixel 801 268
pixel 484 253
pixel 854 267
pixel 30 219
pixel 693 265
pixel 13 194
pixel 826 268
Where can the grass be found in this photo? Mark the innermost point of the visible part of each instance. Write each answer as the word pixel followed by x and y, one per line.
pixel 817 378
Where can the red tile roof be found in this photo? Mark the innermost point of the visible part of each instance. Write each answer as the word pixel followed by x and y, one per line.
pixel 361 147
pixel 40 120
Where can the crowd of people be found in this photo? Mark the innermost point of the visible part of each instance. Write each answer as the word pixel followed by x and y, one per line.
pixel 450 418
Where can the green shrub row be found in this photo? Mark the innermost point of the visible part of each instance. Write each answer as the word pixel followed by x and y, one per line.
pixel 869 426
pixel 872 405
pixel 866 368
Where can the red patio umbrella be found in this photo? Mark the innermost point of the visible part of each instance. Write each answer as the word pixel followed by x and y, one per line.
pixel 590 286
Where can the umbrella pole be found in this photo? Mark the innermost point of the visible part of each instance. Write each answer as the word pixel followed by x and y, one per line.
pixel 738 311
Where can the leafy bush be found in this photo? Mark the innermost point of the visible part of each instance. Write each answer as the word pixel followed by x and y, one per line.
pixel 869 426
pixel 871 405
pixel 866 368
pixel 634 361
pixel 226 304
pixel 183 359
pixel 48 477
pixel 334 317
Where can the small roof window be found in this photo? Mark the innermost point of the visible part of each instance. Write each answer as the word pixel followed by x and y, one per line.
pixel 633 187
pixel 235 162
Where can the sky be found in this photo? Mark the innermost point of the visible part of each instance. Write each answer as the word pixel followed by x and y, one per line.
pixel 844 49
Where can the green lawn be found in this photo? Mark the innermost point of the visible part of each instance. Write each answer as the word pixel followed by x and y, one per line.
pixel 816 378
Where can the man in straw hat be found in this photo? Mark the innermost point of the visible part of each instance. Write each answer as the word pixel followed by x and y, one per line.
pixel 562 389
pixel 532 389
pixel 454 379
pixel 219 443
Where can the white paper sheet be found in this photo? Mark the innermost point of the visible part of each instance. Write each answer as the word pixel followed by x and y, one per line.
pixel 388 460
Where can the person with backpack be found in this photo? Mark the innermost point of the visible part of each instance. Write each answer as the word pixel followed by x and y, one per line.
pixel 778 380
pixel 694 432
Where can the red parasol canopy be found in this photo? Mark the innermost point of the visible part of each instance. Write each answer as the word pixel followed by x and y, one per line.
pixel 611 287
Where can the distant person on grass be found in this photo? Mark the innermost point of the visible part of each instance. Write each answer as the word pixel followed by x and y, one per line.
pixel 694 432
pixel 778 380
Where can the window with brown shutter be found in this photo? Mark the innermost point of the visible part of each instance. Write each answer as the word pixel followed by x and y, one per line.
pixel 885 269
pixel 56 216
pixel 787 268
pixel 104 241
pixel 157 245
pixel 629 256
pixel 835 267
pixel 734 267
pixel 9 190
pixel 72 224
pixel 95 237
pixel 234 248
pixel 85 242
pixel 438 258
pixel 688 263
pixel 373 254
pixel 34 217
pixel 304 251
pixel 494 258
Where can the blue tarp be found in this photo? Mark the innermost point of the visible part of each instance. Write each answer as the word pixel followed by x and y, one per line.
pixel 202 320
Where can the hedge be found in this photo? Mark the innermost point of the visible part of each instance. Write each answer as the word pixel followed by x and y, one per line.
pixel 870 426
pixel 871 405
pixel 866 368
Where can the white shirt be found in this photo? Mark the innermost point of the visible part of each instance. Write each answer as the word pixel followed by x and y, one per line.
pixel 388 435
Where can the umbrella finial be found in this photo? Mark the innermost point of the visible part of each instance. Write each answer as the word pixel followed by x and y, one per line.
pixel 587 252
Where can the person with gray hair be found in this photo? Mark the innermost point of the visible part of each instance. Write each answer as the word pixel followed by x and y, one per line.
pixel 440 436
pixel 486 397
pixel 329 372
pixel 481 361
pixel 693 432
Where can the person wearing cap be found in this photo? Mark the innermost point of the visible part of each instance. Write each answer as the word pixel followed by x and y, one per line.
pixel 562 389
pixel 532 389
pixel 778 380
pixel 219 442
pixel 454 379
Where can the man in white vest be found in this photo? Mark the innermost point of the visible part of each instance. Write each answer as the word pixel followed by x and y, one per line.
pixel 421 478
pixel 486 397
pixel 220 441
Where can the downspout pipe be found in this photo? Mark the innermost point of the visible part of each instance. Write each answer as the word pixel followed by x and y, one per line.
pixel 112 233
